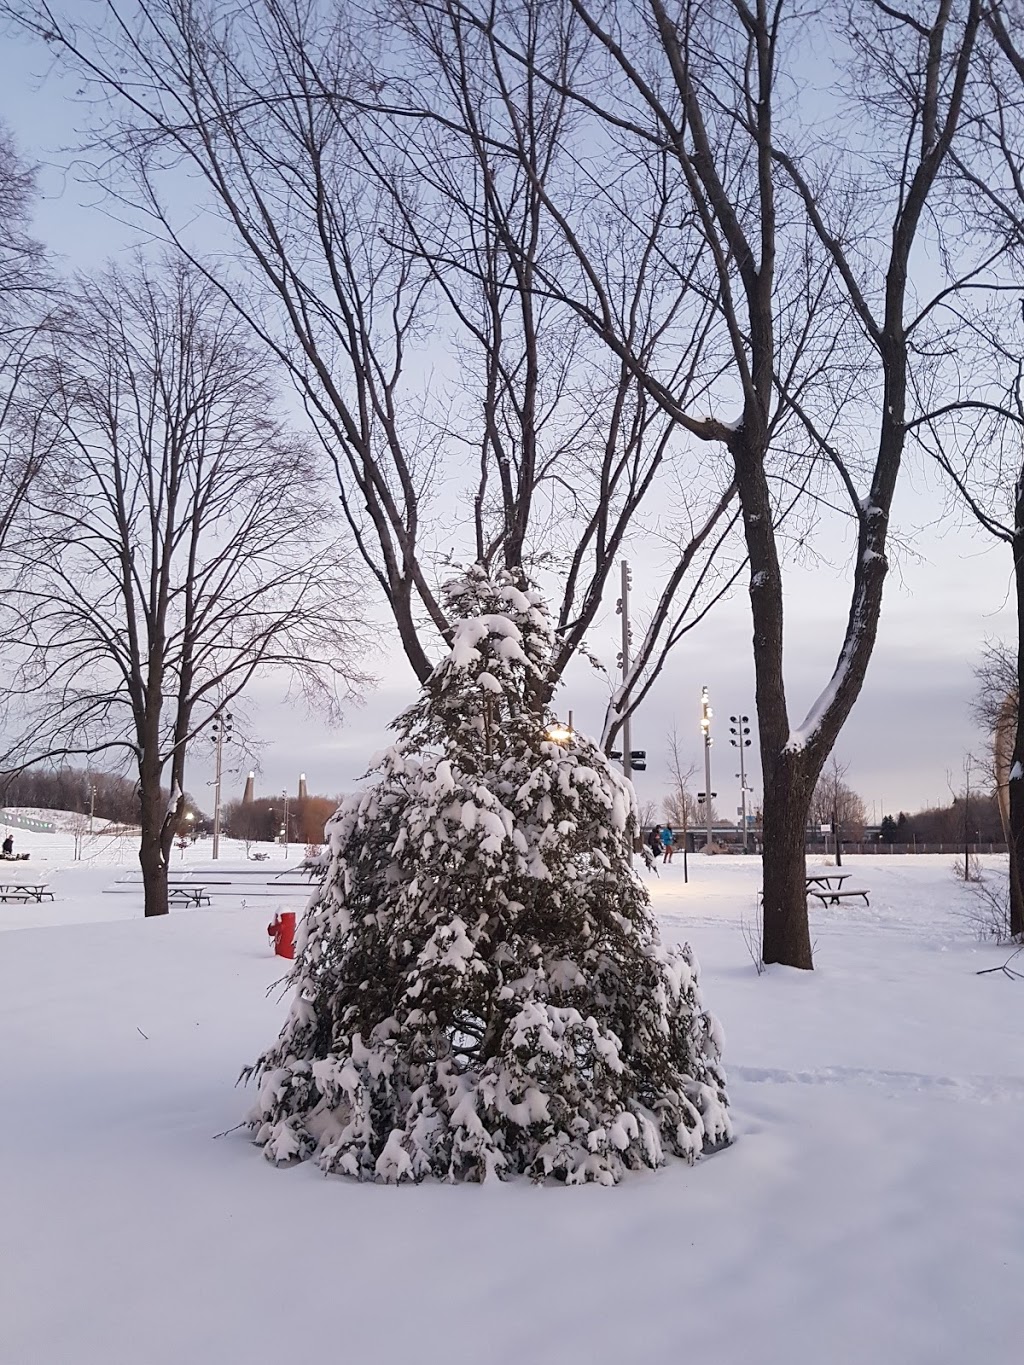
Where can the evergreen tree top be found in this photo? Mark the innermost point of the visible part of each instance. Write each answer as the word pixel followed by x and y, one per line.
pixel 485 692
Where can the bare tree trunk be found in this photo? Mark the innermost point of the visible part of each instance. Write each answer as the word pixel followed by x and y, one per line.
pixel 786 934
pixel 835 836
pixel 1015 832
pixel 789 773
pixel 152 857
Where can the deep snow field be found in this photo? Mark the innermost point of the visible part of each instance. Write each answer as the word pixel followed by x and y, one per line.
pixel 871 1209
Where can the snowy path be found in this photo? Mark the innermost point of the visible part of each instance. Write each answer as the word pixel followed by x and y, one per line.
pixel 870 1213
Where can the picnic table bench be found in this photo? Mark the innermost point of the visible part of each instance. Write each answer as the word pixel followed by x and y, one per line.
pixel 25 892
pixel 188 895
pixel 827 887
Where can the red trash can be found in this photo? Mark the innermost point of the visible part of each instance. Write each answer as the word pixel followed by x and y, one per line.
pixel 282 932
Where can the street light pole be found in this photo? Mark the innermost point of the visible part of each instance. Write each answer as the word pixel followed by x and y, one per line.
pixel 623 609
pixel 286 799
pixel 705 724
pixel 92 806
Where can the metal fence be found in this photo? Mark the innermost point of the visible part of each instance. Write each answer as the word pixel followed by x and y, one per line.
pixel 827 851
pixel 26 822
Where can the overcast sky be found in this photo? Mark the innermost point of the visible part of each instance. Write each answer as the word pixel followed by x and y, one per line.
pixel 909 730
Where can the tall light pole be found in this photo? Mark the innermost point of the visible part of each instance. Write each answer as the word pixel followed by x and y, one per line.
pixel 705 724
pixel 221 735
pixel 622 607
pixel 285 798
pixel 92 806
pixel 739 729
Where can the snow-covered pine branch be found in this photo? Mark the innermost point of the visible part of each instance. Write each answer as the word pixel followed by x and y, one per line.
pixel 480 988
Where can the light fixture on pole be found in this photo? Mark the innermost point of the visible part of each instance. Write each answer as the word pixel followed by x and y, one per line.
pixel 739 729
pixel 705 724
pixel 558 732
pixel 221 736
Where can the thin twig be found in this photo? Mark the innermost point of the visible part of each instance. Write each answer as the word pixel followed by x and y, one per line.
pixel 229 1130
pixel 1005 968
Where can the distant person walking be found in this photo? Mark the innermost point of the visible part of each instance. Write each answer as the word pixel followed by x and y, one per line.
pixel 654 840
pixel 668 840
pixel 8 846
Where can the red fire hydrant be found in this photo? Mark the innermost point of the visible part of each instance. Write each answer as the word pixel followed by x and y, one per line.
pixel 282 933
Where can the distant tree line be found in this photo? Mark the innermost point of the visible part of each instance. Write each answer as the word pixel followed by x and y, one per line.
pixel 262 820
pixel 978 817
pixel 116 799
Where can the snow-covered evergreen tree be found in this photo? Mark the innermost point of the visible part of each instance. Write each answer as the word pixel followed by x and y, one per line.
pixel 479 987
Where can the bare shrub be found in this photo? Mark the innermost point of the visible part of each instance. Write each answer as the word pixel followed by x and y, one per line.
pixel 988 910
pixel 752 937
pixel 968 869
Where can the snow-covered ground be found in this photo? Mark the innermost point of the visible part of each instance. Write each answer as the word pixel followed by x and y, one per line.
pixel 871 1209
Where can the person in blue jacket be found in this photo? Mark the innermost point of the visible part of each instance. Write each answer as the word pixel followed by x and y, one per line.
pixel 668 840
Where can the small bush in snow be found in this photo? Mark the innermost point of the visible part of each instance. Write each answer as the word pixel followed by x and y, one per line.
pixel 988 911
pixel 479 987
pixel 972 872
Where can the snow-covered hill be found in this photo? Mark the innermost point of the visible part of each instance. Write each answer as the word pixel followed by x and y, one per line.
pixel 69 837
pixel 75 838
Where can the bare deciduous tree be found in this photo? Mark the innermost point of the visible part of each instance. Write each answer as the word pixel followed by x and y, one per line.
pixel 681 805
pixel 996 705
pixel 837 805
pixel 996 678
pixel 25 317
pixel 179 547
pixel 825 320
pixel 980 444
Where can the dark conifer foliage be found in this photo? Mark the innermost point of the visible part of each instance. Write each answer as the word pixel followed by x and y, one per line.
pixel 480 987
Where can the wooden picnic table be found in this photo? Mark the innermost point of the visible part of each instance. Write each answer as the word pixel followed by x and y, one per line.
pixel 831 881
pixel 25 892
pixel 828 888
pixel 189 894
